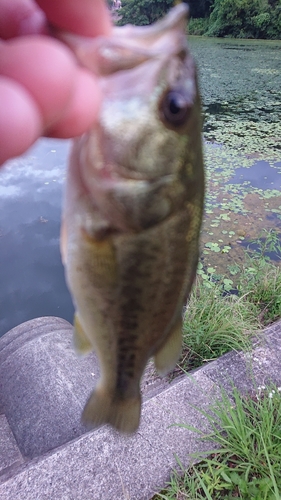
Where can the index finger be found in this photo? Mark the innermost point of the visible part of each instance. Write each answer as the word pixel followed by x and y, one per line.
pixel 83 17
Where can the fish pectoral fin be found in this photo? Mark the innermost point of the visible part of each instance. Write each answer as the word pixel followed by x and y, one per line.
pixel 81 342
pixel 167 356
pixel 103 407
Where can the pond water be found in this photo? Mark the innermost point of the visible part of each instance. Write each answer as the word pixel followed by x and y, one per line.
pixel 240 84
pixel 32 277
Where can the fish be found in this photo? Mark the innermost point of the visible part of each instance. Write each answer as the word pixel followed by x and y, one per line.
pixel 133 210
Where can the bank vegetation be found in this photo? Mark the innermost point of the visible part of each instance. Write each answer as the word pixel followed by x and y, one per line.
pixel 219 18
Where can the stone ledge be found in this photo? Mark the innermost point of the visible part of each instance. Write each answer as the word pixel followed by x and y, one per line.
pixel 246 371
pixel 10 455
pixel 104 465
pixel 44 385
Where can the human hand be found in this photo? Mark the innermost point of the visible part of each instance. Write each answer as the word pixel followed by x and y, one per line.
pixel 43 91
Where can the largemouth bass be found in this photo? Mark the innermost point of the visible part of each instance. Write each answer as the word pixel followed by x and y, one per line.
pixel 133 210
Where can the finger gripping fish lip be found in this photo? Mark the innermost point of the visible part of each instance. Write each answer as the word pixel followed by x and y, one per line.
pixel 130 45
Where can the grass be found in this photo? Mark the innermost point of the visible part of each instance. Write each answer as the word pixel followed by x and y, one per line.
pixel 215 324
pixel 224 314
pixel 262 285
pixel 246 432
pixel 260 279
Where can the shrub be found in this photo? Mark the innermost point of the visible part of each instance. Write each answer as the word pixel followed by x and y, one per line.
pixel 246 18
pixel 198 26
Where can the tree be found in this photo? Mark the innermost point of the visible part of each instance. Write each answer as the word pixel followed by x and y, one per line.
pixel 200 8
pixel 142 12
pixel 241 18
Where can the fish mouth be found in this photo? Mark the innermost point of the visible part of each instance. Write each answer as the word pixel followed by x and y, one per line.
pixel 122 173
pixel 122 177
pixel 118 173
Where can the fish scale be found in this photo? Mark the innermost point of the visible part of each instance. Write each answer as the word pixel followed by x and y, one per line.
pixel 133 210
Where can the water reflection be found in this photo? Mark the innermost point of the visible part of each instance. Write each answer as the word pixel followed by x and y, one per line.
pixel 260 175
pixel 32 276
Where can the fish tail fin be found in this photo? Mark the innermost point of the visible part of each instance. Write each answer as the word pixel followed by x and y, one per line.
pixel 103 408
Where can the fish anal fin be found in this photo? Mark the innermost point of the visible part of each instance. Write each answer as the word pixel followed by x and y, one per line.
pixel 81 342
pixel 103 407
pixel 167 356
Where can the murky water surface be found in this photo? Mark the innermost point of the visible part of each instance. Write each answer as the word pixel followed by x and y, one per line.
pixel 32 279
pixel 241 92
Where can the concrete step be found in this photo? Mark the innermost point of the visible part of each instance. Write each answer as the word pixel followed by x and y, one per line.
pixel 102 465
pixel 44 385
pixel 10 456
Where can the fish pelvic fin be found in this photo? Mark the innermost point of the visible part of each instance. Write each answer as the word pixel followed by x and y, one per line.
pixel 81 342
pixel 104 407
pixel 167 356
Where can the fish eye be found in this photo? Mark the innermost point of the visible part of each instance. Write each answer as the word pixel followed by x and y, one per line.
pixel 175 108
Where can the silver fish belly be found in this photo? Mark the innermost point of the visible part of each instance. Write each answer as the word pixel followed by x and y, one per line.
pixel 133 210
